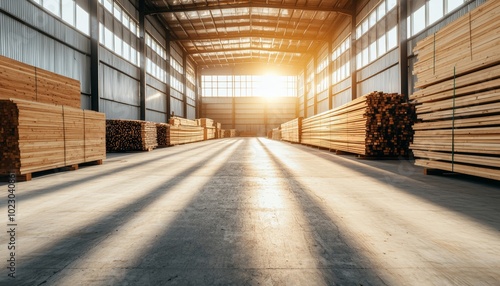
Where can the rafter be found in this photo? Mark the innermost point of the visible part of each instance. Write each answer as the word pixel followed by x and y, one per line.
pixel 249 35
pixel 174 9
pixel 282 51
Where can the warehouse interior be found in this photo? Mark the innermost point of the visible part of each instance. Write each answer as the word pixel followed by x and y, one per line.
pixel 277 142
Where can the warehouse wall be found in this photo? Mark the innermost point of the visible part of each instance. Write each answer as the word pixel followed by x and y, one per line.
pixel 31 34
pixel 255 115
pixel 375 69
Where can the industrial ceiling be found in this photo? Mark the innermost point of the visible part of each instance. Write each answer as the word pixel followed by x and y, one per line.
pixel 223 33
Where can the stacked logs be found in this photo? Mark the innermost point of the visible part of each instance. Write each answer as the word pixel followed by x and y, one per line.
pixel 130 135
pixel 163 134
pixel 458 109
pixel 376 125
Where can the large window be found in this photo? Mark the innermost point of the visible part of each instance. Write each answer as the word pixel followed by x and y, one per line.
pixel 249 85
pixel 70 11
pixel 428 12
pixel 341 62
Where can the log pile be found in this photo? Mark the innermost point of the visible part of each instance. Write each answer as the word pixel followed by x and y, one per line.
pixel 184 131
pixel 291 130
pixel 163 134
pixel 130 135
pixel 22 81
pixel 36 137
pixel 458 107
pixel 377 124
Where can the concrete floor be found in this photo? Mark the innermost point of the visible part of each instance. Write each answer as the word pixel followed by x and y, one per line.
pixel 251 211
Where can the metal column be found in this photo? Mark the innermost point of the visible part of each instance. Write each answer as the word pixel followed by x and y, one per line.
pixel 142 60
pixel 94 55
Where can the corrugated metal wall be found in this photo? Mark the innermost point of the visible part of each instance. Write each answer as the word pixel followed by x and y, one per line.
pixel 31 35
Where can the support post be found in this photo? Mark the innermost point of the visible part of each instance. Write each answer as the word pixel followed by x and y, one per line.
pixel 403 46
pixel 142 60
pixel 94 55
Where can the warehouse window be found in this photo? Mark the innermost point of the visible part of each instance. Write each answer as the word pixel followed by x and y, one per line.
pixel 70 11
pixel 248 85
pixel 113 41
pixel 341 62
pixel 429 12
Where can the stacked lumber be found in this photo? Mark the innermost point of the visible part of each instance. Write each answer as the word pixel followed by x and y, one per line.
pixel 276 134
pixel 377 124
pixel 206 122
pixel 208 133
pixel 163 134
pixel 130 135
pixel 291 130
pixel 229 133
pixel 184 131
pixel 94 134
pixel 36 137
pixel 185 134
pixel 223 133
pixel 179 121
pixel 458 107
pixel 22 81
pixel 470 44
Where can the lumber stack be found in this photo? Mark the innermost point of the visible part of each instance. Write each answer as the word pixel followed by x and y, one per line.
pixel 458 103
pixel 276 134
pixel 184 131
pixel 36 137
pixel 291 130
pixel 229 133
pixel 95 135
pixel 208 133
pixel 223 133
pixel 377 124
pixel 130 135
pixel 22 81
pixel 163 134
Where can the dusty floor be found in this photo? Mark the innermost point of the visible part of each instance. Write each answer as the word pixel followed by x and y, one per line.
pixel 251 211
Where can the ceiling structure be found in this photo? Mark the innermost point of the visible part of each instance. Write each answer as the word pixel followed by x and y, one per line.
pixel 229 33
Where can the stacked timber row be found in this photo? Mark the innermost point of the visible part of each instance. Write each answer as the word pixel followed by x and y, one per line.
pixel 37 137
pixel 163 134
pixel 276 134
pixel 184 131
pixel 377 124
pixel 22 81
pixel 130 135
pixel 218 130
pixel 229 133
pixel 458 101
pixel 291 130
pixel 209 128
